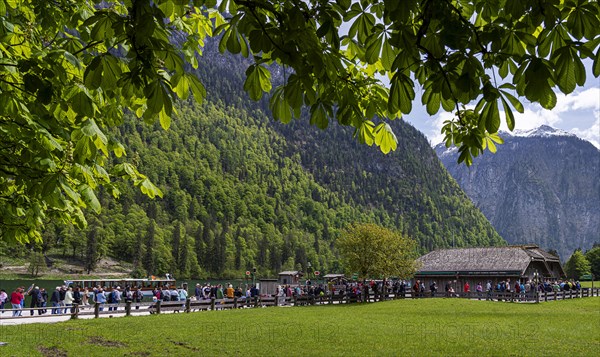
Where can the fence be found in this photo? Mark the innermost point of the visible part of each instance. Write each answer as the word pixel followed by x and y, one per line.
pixel 189 305
pixel 509 296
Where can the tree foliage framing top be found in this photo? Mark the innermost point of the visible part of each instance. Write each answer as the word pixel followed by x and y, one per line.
pixel 70 69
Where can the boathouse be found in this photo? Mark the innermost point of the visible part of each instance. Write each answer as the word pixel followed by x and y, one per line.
pixel 478 265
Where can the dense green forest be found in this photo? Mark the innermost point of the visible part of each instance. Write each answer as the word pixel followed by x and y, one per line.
pixel 243 191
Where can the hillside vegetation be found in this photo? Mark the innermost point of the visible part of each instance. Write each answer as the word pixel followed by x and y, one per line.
pixel 243 191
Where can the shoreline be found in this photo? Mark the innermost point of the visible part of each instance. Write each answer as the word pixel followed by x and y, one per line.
pixel 61 276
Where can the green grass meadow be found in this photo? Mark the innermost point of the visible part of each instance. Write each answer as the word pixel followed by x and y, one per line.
pixel 588 284
pixel 429 327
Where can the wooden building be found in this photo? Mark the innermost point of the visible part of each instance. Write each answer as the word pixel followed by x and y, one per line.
pixel 478 265
pixel 268 286
pixel 335 282
pixel 290 277
pixel 338 278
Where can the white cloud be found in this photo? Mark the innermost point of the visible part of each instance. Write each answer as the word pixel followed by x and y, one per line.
pixel 534 115
pixel 581 106
pixel 588 99
pixel 435 136
pixel 532 118
pixel 591 134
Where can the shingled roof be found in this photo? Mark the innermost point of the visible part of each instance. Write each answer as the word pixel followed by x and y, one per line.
pixel 513 258
pixel 291 272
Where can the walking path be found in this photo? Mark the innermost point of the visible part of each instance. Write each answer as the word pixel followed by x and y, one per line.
pixel 49 318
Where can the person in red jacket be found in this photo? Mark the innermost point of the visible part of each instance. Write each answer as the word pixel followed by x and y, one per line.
pixel 416 288
pixel 15 300
pixel 467 288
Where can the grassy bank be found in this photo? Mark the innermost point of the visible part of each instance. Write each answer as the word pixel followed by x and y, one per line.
pixel 61 276
pixel 412 327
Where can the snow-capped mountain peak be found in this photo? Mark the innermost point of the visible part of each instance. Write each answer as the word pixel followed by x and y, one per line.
pixel 543 131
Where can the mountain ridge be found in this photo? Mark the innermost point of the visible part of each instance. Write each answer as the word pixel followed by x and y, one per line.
pixel 542 188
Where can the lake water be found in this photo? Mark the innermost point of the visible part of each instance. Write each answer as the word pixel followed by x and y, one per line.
pixel 11 285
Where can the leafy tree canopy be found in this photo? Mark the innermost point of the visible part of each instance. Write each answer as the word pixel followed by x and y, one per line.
pixel 593 257
pixel 377 252
pixel 69 69
pixel 577 265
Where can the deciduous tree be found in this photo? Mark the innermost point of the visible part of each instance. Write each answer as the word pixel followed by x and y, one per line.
pixel 377 252
pixel 577 265
pixel 37 263
pixel 593 257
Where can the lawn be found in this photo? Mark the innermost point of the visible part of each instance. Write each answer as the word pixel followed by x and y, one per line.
pixel 588 284
pixel 401 327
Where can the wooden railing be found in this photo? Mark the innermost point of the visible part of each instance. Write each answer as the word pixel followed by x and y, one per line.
pixel 189 305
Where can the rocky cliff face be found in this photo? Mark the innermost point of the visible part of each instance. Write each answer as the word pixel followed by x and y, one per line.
pixel 542 186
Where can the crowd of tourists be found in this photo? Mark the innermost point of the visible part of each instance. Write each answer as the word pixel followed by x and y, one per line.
pixel 209 291
pixel 520 288
pixel 285 291
pixel 62 298
pixel 16 299
pixel 354 290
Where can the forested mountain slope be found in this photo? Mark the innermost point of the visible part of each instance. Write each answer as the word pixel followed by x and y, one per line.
pixel 242 191
pixel 541 188
pixel 409 188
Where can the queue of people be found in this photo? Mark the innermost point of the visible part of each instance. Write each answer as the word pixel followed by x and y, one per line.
pixel 220 291
pixel 62 299
pixel 521 288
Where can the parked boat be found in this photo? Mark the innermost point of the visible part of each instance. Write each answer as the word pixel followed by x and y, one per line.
pixel 144 284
